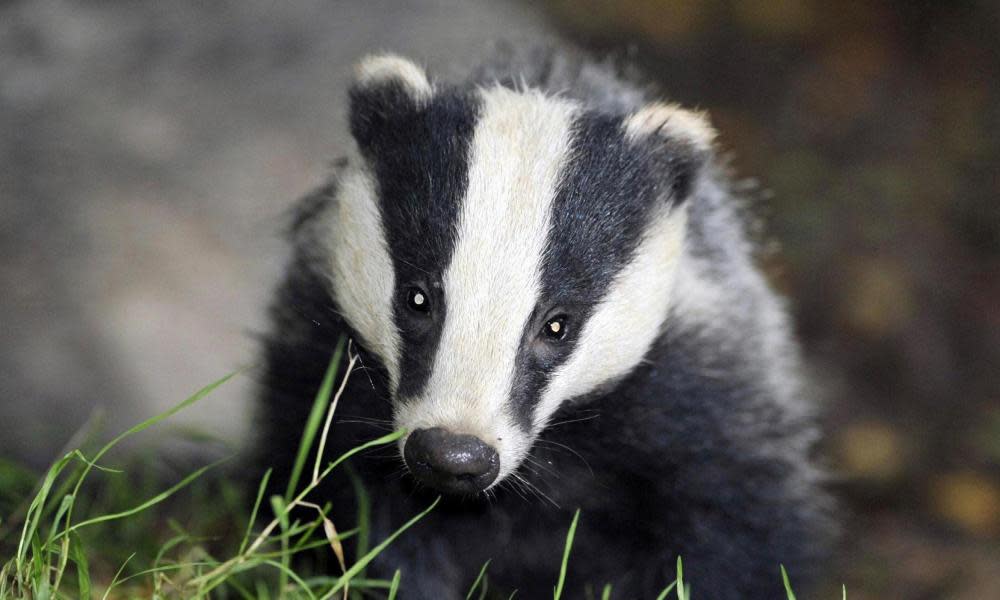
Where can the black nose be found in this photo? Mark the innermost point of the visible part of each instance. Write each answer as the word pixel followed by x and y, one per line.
pixel 451 462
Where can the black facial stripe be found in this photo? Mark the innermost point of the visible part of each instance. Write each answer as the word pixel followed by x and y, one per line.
pixel 606 192
pixel 419 156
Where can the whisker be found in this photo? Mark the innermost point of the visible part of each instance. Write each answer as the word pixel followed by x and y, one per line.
pixel 397 474
pixel 577 420
pixel 531 461
pixel 513 485
pixel 567 448
pixel 536 490
pixel 365 419
pixel 380 426
pixel 366 371
pixel 381 453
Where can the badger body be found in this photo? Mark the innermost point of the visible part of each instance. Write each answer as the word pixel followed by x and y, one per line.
pixel 549 287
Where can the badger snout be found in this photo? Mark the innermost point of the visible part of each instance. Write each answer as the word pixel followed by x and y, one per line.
pixel 450 462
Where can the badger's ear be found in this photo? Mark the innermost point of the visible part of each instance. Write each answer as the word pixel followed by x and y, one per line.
pixel 385 88
pixel 682 138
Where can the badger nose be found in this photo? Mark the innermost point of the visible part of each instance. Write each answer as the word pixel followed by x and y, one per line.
pixel 450 462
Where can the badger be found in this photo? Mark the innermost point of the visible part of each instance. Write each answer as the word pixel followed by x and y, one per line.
pixel 548 282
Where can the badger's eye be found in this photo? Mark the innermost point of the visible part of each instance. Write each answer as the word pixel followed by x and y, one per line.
pixel 418 300
pixel 555 328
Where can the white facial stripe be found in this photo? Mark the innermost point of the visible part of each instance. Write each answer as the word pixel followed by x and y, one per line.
pixel 363 277
pixel 491 286
pixel 627 322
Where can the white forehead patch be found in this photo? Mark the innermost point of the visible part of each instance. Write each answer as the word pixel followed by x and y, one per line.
pixel 519 147
pixel 362 272
pixel 626 323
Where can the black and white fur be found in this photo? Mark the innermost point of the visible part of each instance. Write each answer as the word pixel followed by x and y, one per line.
pixel 670 413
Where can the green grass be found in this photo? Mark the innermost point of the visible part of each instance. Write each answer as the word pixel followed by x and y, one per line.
pixel 88 530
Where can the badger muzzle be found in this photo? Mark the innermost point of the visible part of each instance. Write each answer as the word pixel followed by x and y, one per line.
pixel 453 463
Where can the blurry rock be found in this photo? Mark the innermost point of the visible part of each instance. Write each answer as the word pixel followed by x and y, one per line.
pixel 871 451
pixel 879 297
pixel 968 500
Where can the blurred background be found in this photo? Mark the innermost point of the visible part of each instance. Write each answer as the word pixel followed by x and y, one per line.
pixel 148 150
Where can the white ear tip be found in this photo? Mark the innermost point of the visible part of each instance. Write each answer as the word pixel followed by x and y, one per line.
pixel 381 68
pixel 672 121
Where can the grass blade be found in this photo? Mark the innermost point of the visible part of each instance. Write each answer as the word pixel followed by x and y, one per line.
pixel 385 439
pixel 67 501
pixel 280 509
pixel 682 591
pixel 361 564
pixel 479 579
pixel 363 516
pixel 788 585
pixel 314 420
pixel 394 587
pixel 114 580
pixel 565 559
pixel 287 572
pixel 256 507
pixel 35 509
pixel 82 568
pixel 666 590
pixel 168 546
pixel 141 507
pixel 208 389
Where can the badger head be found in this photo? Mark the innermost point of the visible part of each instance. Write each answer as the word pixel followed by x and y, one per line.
pixel 503 252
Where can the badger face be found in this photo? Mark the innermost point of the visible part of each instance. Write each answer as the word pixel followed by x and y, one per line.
pixel 502 252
